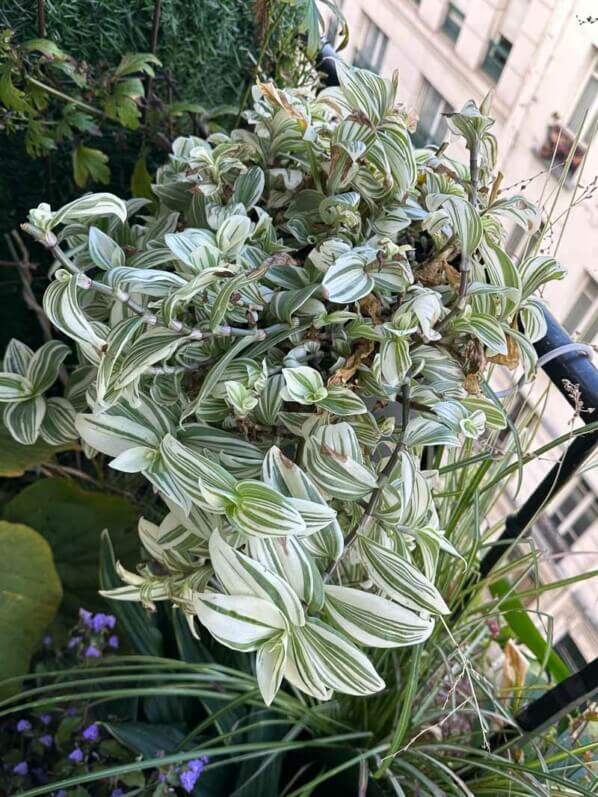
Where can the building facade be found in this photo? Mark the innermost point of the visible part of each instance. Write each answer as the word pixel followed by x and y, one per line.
pixel 540 60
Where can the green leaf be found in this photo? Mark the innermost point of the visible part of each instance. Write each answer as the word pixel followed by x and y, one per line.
pixel 537 271
pixel 526 632
pixel 249 187
pixel 23 420
pixel 484 327
pixel 141 182
pixel 241 575
pixel 323 659
pixel 89 207
pixel 240 622
pixel 347 279
pixel 138 624
pixel 260 511
pixel 16 459
pixel 132 63
pixel 396 576
pixel 44 366
pixel 62 306
pixel 14 387
pixel 90 164
pixel 30 593
pixel 104 252
pixel 374 621
pixel 464 219
pixel 71 520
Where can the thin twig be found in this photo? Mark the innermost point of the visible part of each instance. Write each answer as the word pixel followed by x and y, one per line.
pixel 41 19
pixel 25 267
pixel 87 283
pixel 370 509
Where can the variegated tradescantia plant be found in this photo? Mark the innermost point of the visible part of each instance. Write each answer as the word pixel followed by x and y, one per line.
pixel 311 306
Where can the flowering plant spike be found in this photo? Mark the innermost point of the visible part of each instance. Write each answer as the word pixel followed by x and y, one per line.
pixel 312 302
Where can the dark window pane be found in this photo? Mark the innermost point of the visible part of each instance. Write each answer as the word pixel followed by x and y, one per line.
pixel 453 22
pixel 496 58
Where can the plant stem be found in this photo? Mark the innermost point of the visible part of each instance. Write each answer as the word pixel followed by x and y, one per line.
pixel 370 509
pixel 65 97
pixel 150 318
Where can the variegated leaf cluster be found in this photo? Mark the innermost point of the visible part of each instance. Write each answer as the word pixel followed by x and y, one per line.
pixel 249 348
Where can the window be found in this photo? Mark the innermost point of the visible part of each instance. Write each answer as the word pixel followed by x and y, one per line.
pixel 521 244
pixel 431 128
pixel 586 107
pixel 496 58
pixel 373 47
pixel 582 318
pixel 576 513
pixel 453 22
pixel 570 653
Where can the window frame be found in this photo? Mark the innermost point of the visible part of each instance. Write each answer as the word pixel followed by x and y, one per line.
pixel 563 523
pixel 373 60
pixel 451 29
pixel 589 318
pixel 439 121
pixel 592 112
pixel 490 59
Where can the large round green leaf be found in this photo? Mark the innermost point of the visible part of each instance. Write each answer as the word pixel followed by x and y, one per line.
pixel 71 520
pixel 30 593
pixel 16 458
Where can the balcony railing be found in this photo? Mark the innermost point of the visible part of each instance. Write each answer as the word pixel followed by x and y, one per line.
pixel 564 363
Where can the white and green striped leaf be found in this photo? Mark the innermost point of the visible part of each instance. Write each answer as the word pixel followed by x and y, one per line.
pixel 374 621
pixel 241 575
pixel 399 579
pixel 14 387
pixel 90 206
pixel 24 419
pixel 260 511
pixel 240 622
pixel 103 250
pixel 58 426
pixel 325 659
pixel 62 306
pixel 44 366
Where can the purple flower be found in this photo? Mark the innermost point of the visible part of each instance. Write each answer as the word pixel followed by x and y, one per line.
pixel 45 719
pixel 61 793
pixel 23 725
pixel 74 641
pixel 46 740
pixel 47 641
pixel 76 755
pixel 113 642
pixel 71 711
pixel 86 617
pixel 188 780
pixel 116 793
pixel 196 765
pixel 101 621
pixel 22 768
pixel 91 733
pixel 92 652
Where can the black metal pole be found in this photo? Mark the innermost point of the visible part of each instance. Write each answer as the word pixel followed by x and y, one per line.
pixel 326 63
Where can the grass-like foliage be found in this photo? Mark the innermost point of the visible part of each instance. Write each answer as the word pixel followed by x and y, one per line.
pixel 293 350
